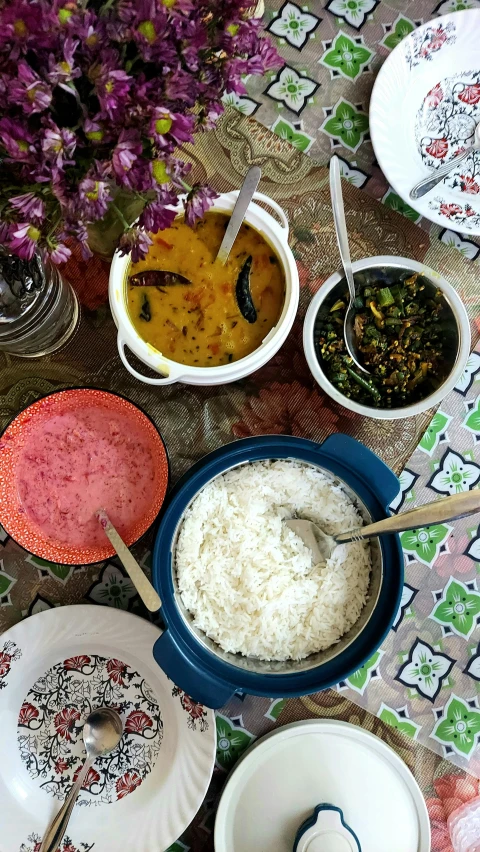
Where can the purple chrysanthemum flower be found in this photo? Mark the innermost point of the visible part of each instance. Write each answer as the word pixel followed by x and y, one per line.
pixel 76 229
pixel 170 128
pixel 112 88
pixel 19 21
pixel 135 241
pixel 24 240
pixel 93 198
pixel 59 253
pixel 62 72
pixel 58 145
pixel 5 233
pixel 28 91
pixel 157 215
pixel 198 201
pixel 125 153
pixel 29 206
pixel 17 140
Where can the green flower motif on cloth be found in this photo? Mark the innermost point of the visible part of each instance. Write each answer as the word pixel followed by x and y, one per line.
pixel 455 6
pixel 275 709
pixel 454 474
pixel 232 741
pixel 425 669
pixel 399 720
pixel 435 432
pixel 424 543
pixel 294 25
pixel 113 588
pixel 399 29
pixel 292 89
pixel 346 124
pixel 472 419
pixel 392 200
pixel 458 607
pixel 6 583
pixel 354 12
pixel 458 727
pixel 361 678
pixel 407 480
pixel 52 569
pixel 346 57
pixel 299 140
pixel 247 106
pixel 469 375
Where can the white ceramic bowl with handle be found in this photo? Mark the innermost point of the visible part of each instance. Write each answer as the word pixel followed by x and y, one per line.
pixel 458 364
pixel 171 371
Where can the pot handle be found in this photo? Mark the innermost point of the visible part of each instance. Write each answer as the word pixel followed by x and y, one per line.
pixel 164 380
pixel 259 196
pixel 198 683
pixel 365 464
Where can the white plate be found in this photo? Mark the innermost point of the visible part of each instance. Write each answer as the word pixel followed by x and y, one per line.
pixel 54 667
pixel 424 107
pixel 280 781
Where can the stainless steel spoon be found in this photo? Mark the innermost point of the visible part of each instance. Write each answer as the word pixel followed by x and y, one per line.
pixel 101 734
pixel 343 247
pixel 436 176
pixel 322 545
pixel 163 278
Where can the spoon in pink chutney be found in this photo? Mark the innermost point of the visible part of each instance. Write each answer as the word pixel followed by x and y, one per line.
pixel 143 586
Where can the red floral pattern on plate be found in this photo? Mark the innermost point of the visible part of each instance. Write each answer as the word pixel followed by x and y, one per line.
pixel 438 148
pixel 196 712
pixel 34 842
pixel 9 653
pixel 127 784
pixel 470 95
pixel 427 41
pixel 51 719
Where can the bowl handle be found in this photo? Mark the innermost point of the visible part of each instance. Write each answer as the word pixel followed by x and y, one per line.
pixel 198 683
pixel 164 380
pixel 365 464
pixel 259 196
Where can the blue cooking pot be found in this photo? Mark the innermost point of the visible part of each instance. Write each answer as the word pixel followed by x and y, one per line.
pixel 196 663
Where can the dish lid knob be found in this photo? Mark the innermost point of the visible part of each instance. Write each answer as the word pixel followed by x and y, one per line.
pixel 326 831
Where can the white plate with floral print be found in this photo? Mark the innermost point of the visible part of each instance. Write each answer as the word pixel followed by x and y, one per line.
pixel 424 108
pixel 54 668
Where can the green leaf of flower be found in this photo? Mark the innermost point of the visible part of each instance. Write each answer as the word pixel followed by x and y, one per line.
pixel 333 126
pixel 436 427
pixel 394 201
pixel 359 678
pixel 6 583
pixel 473 419
pixel 443 612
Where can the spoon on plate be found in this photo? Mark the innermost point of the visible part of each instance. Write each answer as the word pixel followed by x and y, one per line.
pixel 163 278
pixel 102 733
pixel 344 249
pixel 322 544
pixel 428 183
pixel 149 596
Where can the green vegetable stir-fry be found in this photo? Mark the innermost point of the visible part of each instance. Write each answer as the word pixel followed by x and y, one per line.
pixel 405 333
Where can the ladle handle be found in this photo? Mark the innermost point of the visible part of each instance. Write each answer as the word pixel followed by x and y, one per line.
pixel 447 509
pixel 340 224
pixel 58 826
pixel 247 191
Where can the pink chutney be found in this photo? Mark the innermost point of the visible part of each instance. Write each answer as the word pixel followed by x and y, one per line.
pixel 75 463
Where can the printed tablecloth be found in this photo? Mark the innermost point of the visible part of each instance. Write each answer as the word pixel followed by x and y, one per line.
pixel 332 51
pixel 282 397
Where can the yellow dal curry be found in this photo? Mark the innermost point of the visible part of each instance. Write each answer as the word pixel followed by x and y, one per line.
pixel 201 324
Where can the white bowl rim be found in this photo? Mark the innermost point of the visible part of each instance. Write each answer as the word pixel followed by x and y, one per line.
pixel 277 235
pixel 416 408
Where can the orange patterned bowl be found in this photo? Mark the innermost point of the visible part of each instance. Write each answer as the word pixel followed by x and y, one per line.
pixel 26 431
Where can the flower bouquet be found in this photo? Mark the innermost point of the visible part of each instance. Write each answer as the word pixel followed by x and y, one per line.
pixel 95 99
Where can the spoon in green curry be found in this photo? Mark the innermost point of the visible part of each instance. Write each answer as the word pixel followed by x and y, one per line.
pixel 343 247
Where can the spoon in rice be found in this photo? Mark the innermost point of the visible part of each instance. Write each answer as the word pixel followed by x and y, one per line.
pixel 451 508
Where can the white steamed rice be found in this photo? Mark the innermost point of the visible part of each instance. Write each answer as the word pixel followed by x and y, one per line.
pixel 250 582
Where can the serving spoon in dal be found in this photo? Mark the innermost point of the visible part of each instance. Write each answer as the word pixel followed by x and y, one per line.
pixel 450 508
pixel 164 278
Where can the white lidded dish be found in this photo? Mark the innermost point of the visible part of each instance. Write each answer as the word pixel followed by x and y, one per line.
pixel 463 331
pixel 321 786
pixel 276 235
